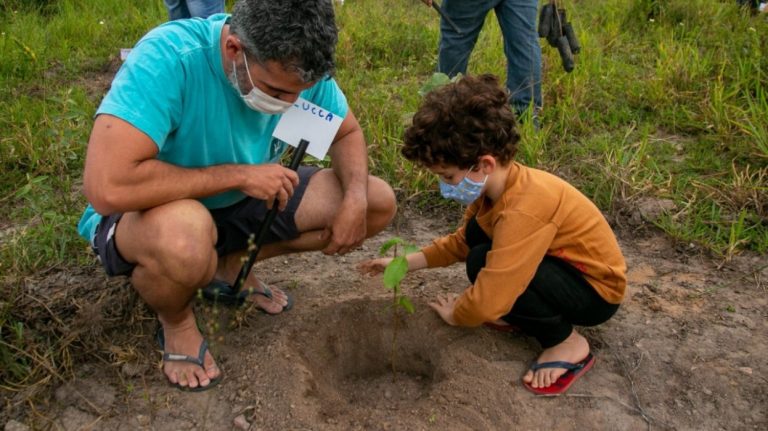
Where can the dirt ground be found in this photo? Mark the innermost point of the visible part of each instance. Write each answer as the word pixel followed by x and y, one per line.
pixel 687 351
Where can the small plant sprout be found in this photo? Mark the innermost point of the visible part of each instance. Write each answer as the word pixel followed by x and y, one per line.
pixel 393 274
pixel 438 79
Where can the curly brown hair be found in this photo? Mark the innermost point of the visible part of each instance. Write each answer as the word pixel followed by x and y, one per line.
pixel 462 121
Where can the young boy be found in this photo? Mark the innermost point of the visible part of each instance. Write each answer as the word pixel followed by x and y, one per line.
pixel 539 254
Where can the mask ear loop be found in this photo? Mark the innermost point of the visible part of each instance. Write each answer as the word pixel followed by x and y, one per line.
pixel 237 81
pixel 245 59
pixel 470 179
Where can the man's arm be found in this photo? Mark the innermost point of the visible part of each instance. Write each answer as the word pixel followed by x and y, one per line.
pixel 349 157
pixel 122 173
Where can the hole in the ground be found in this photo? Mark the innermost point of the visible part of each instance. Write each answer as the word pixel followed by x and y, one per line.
pixel 350 356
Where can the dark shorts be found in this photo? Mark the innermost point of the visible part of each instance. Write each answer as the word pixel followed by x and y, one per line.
pixel 234 225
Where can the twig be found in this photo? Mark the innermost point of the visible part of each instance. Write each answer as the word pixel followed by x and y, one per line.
pixel 93 406
pixel 50 421
pixel 53 315
pixel 637 365
pixel 607 397
pixel 628 374
pixel 94 422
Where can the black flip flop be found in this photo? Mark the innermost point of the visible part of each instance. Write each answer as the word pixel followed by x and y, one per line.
pixel 177 357
pixel 223 293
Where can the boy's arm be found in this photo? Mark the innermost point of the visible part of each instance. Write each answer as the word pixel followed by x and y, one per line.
pixel 519 244
pixel 416 261
pixel 444 305
pixel 451 248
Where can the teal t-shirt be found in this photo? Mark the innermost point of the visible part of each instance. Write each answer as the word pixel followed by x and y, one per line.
pixel 173 88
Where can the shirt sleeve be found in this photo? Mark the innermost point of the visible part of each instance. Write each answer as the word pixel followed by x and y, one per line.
pixel 326 93
pixel 147 90
pixel 451 248
pixel 520 242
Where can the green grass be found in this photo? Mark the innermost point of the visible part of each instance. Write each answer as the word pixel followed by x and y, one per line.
pixel 672 107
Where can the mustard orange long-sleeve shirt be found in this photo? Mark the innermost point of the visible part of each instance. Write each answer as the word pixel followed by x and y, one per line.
pixel 538 214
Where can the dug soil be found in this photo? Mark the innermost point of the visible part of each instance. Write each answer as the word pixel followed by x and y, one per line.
pixel 686 351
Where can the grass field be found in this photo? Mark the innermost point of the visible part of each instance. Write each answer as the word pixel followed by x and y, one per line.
pixel 668 102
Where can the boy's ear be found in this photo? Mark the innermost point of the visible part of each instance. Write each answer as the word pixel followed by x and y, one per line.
pixel 487 164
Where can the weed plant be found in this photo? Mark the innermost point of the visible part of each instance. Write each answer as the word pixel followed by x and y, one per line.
pixel 668 100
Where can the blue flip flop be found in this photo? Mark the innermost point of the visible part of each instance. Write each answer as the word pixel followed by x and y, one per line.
pixel 221 292
pixel 199 361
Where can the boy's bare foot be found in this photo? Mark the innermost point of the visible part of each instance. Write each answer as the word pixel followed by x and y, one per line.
pixel 186 339
pixel 573 349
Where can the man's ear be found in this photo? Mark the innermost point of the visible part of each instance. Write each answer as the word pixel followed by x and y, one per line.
pixel 233 48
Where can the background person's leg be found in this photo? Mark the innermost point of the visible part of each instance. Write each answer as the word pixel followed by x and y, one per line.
pixel 177 9
pixel 454 49
pixel 517 19
pixel 204 8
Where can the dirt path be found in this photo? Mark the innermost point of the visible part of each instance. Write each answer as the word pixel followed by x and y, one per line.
pixel 687 351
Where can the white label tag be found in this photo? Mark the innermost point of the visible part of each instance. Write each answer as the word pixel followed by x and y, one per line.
pixel 305 120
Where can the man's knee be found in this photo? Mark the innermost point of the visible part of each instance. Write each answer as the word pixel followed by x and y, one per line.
pixel 177 240
pixel 382 205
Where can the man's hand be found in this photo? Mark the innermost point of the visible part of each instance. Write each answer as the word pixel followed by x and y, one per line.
pixel 444 306
pixel 427 2
pixel 349 227
pixel 270 182
pixel 373 266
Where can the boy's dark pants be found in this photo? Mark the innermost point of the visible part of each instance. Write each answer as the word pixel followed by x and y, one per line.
pixel 557 297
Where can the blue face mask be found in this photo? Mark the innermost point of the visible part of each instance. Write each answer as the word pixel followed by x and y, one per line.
pixel 466 191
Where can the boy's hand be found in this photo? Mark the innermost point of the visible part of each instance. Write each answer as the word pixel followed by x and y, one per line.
pixel 373 266
pixel 444 307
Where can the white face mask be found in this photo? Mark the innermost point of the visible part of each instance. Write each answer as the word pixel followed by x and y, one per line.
pixel 257 99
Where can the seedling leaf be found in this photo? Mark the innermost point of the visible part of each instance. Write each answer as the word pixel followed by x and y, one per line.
pixel 395 272
pixel 436 80
pixel 409 249
pixel 389 244
pixel 406 303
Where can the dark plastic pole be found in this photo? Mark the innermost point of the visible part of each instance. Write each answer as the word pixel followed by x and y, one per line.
pixel 298 155
pixel 445 17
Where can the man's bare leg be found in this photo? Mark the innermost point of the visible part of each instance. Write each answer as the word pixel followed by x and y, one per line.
pixel 173 247
pixel 316 211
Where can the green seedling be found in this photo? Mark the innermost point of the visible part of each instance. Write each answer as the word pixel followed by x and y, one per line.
pixel 393 274
pixel 438 79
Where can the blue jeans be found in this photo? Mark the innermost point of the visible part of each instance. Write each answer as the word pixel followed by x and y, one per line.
pixel 517 19
pixel 180 9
